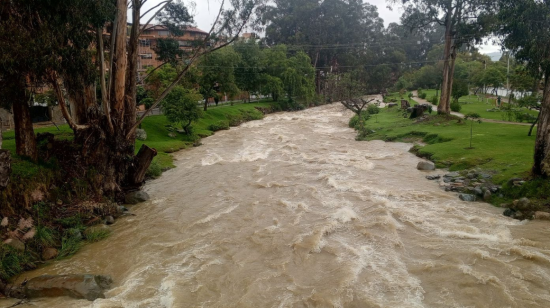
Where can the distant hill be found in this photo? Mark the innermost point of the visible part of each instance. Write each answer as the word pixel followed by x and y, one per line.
pixel 495 56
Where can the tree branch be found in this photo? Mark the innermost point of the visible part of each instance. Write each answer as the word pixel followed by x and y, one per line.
pixel 154 15
pixel 154 7
pixel 62 104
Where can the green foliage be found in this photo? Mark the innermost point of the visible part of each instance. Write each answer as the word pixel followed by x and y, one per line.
pixel 96 234
pixel 71 242
pixel 434 100
pixel 220 125
pixel 12 261
pixel 180 107
pixel 373 109
pixel 455 106
pixel 45 237
pixel 155 169
pixel 460 88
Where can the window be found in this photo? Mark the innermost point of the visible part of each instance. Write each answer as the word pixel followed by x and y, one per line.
pixel 144 43
pixel 146 56
pixel 184 43
pixel 164 33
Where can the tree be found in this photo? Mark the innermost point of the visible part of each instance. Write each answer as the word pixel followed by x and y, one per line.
pixel 525 28
pixel 460 89
pixel 465 22
pixel 62 43
pixel 216 73
pixel 180 107
pixel 473 117
pixel 248 69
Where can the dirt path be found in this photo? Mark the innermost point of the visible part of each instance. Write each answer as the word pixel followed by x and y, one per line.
pixel 423 101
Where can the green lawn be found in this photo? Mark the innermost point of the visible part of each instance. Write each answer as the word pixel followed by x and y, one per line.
pixel 475 104
pixel 503 148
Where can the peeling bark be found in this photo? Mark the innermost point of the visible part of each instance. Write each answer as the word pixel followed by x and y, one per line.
pixel 541 167
pixel 25 141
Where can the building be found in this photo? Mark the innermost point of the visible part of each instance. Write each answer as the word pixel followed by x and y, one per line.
pixel 150 36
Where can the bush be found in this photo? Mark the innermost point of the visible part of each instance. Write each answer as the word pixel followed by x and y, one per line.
pixel 154 170
pixel 422 95
pixel 455 106
pixel 220 125
pixel 354 122
pixel 235 119
pixel 434 100
pixel 373 109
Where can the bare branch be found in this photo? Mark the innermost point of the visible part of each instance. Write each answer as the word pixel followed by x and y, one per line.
pixel 62 104
pixel 154 7
pixel 154 15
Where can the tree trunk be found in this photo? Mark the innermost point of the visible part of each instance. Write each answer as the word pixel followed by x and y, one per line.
pixel 206 104
pixel 132 73
pixel 444 100
pixel 25 141
pixel 541 167
pixel 5 168
pixel 450 80
pixel 533 125
pixel 142 162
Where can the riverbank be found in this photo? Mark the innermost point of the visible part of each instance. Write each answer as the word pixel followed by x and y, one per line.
pixel 501 152
pixel 47 213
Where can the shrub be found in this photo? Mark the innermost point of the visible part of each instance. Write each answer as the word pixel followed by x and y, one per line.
pixel 434 100
pixel 422 95
pixel 154 170
pixel 355 123
pixel 12 261
pixel 455 106
pixel 373 109
pixel 235 119
pixel 220 125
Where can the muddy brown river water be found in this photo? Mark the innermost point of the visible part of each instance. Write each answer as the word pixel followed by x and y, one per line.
pixel 291 211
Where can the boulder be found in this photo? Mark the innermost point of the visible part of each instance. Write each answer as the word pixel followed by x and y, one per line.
pixel 512 181
pixel 172 135
pixel 467 197
pixel 136 197
pixel 522 204
pixel 509 212
pixel 49 253
pixel 425 165
pixel 390 105
pixel 109 220
pixel 84 286
pixel 4 222
pixel 433 177
pixel 452 175
pixel 478 191
pixel 15 243
pixel 487 196
pixel 141 134
pixel 541 215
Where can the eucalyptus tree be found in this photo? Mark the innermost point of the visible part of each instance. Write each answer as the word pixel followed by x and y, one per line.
pixel 525 28
pixel 465 22
pixel 71 45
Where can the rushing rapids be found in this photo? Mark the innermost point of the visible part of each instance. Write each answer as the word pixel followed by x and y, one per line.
pixel 291 211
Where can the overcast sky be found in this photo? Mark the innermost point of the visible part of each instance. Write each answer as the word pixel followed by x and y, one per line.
pixel 205 12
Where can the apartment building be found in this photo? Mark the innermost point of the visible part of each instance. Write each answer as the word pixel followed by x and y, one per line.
pixel 150 36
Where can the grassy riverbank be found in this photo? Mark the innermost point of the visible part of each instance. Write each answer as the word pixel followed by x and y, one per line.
pixel 502 149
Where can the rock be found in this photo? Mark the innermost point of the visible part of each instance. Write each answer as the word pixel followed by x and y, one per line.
pixel 49 253
pixel 522 204
pixel 518 215
pixel 509 212
pixel 478 191
pixel 59 202
pixel 433 177
pixel 494 189
pixel 513 180
pixel 5 167
pixel 90 287
pixel 459 181
pixel 447 180
pixel 172 135
pixel 75 233
pixel 136 197
pixel 4 222
pixel 390 105
pixel 471 175
pixel 467 197
pixel 541 215
pixel 425 165
pixel 141 134
pixel 487 196
pixel 15 243
pixel 485 176
pixel 452 175
pixel 121 209
pixel 109 220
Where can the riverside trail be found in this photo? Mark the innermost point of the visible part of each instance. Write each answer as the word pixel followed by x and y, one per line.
pixel 291 211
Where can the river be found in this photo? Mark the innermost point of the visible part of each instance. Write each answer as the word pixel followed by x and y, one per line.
pixel 291 211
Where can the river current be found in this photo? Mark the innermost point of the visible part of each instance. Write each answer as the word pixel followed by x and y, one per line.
pixel 291 211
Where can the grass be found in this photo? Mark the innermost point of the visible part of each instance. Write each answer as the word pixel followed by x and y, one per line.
pixel 475 104
pixel 96 234
pixel 445 140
